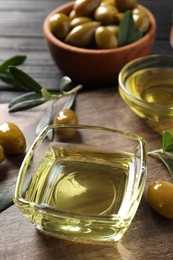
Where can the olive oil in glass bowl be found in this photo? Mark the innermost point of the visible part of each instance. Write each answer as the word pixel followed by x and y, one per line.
pixel 85 184
pixel 146 85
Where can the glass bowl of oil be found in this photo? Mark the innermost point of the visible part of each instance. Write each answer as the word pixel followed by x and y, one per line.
pixel 146 85
pixel 84 184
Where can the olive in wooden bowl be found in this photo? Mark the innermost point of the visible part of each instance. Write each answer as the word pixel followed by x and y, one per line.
pixel 82 60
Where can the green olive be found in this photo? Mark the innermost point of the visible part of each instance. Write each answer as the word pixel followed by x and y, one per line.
pixel 124 5
pixel 85 7
pixel 160 197
pixel 108 2
pixel 106 14
pixel 12 139
pixel 72 14
pixel 65 117
pixel 79 20
pixel 2 157
pixel 82 35
pixel 141 19
pixel 105 38
pixel 114 29
pixel 119 16
pixel 59 25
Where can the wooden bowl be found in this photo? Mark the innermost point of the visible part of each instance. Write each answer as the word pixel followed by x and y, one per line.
pixel 91 66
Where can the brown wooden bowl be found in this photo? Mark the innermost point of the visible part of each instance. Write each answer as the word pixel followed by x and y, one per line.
pixel 91 66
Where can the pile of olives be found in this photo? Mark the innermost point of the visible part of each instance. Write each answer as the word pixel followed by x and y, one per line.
pixel 12 140
pixel 95 23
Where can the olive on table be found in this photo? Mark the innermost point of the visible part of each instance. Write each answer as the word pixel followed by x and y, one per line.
pixel 160 197
pixel 124 5
pixel 85 7
pixel 105 38
pixel 106 14
pixel 141 19
pixel 59 25
pixel 2 156
pixel 82 35
pixel 65 117
pixel 12 139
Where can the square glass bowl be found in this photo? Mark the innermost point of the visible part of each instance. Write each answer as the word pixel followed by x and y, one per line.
pixel 146 85
pixel 83 184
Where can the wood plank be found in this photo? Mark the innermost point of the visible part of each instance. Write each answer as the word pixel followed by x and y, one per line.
pixel 150 235
pixel 147 231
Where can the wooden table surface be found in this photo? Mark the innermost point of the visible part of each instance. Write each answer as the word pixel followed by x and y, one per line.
pixel 150 236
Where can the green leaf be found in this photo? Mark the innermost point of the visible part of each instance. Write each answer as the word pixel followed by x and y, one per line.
pixel 25 80
pixel 166 153
pixel 14 61
pixel 167 162
pixel 70 102
pixel 73 90
pixel 46 94
pixel 169 165
pixel 166 140
pixel 169 148
pixel 24 97
pixel 6 197
pixel 27 104
pixel 135 36
pixel 170 155
pixel 45 119
pixel 8 79
pixel 127 30
pixel 64 83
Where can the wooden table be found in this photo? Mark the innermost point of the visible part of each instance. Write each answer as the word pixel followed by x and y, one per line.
pixel 150 236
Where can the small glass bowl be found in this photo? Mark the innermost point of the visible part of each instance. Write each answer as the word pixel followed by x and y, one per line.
pixel 146 85
pixel 85 184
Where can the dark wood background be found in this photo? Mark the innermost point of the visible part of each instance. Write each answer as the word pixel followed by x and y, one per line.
pixel 21 33
pixel 150 236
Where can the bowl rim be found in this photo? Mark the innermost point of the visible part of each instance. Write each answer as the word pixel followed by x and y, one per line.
pixel 132 97
pixel 49 35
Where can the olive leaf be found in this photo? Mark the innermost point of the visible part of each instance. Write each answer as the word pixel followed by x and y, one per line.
pixel 14 61
pixel 45 119
pixel 64 83
pixel 24 97
pixel 165 153
pixel 70 102
pixel 6 197
pixel 166 140
pixel 7 78
pixel 38 94
pixel 166 161
pixel 25 80
pixel 27 104
pixel 127 30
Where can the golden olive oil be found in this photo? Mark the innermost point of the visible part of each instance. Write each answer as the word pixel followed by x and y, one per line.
pixel 80 181
pixel 154 86
pixel 81 184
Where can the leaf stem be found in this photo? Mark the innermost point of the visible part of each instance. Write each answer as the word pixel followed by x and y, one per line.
pixel 155 151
